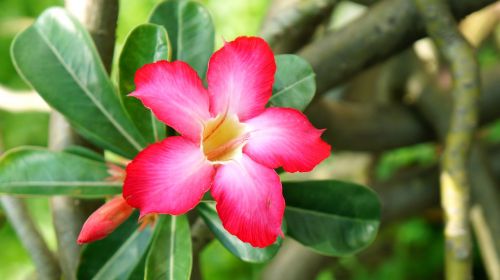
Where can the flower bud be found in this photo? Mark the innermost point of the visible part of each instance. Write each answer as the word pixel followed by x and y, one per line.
pixel 105 220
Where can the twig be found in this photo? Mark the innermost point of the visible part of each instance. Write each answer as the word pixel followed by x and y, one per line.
pixel 19 217
pixel 455 180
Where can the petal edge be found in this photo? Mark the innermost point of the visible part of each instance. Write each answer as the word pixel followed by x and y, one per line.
pixel 249 201
pixel 168 177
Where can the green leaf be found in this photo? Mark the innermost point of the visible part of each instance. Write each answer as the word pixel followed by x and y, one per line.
pixel 170 256
pixel 37 171
pixel 124 261
pixel 147 43
pixel 190 30
pixel 240 249
pixel 96 254
pixel 140 268
pixel 294 84
pixel 58 58
pixel 84 152
pixel 332 217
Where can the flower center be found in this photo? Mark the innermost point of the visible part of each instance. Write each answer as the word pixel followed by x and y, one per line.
pixel 223 138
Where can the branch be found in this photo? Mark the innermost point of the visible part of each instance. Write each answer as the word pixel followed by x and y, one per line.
pixel 387 28
pixel 484 174
pixel 289 28
pixel 454 177
pixel 348 124
pixel 406 194
pixel 20 219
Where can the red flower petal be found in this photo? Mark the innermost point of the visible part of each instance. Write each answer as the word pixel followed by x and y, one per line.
pixel 240 77
pixel 169 177
pixel 175 94
pixel 105 220
pixel 249 201
pixel 284 137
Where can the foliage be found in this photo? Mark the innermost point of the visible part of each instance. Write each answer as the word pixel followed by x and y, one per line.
pixel 65 50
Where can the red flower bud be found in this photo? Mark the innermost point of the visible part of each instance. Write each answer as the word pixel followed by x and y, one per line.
pixel 105 220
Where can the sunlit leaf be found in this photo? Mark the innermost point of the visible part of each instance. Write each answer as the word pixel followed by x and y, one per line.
pixel 294 85
pixel 240 249
pixel 170 256
pixel 190 30
pixel 58 58
pixel 147 43
pixel 124 261
pixel 37 171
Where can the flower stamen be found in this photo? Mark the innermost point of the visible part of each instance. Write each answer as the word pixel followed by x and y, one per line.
pixel 223 138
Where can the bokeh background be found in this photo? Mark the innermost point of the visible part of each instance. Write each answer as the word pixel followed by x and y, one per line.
pixel 410 249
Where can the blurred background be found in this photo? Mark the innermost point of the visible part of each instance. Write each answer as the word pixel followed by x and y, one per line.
pixel 410 244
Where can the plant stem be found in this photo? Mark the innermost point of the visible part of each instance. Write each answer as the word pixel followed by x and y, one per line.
pixel 20 219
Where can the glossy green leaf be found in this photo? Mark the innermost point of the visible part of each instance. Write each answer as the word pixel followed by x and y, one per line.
pixel 240 249
pixel 124 261
pixel 147 43
pixel 58 58
pixel 332 217
pixel 170 256
pixel 140 268
pixel 94 255
pixel 84 152
pixel 37 171
pixel 190 30
pixel 294 84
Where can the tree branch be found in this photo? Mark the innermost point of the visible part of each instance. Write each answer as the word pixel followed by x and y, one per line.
pixel 20 219
pixel 374 37
pixel 348 124
pixel 455 180
pixel 288 29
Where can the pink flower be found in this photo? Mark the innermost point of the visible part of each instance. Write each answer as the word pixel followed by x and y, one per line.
pixel 230 142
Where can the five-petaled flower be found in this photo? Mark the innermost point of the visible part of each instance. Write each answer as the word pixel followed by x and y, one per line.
pixel 229 142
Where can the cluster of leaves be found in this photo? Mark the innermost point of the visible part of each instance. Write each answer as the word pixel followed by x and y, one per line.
pixel 331 217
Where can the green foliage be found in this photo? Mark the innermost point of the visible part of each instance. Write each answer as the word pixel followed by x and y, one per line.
pixel 332 217
pixel 240 249
pixel 96 254
pixel 170 256
pixel 418 155
pixel 36 171
pixel 147 43
pixel 219 264
pixel 294 85
pixel 190 30
pixel 82 92
pixel 122 264
pixel 18 129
